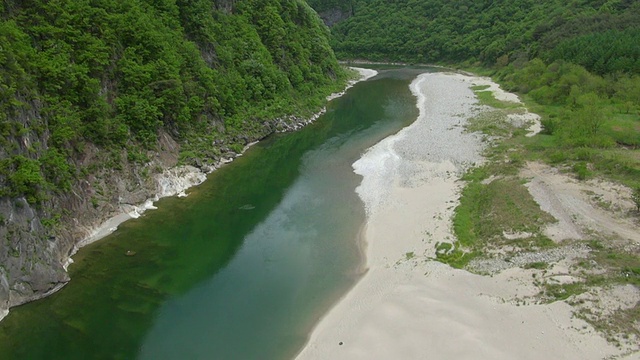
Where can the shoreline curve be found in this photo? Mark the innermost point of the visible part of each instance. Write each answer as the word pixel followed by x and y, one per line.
pixel 407 305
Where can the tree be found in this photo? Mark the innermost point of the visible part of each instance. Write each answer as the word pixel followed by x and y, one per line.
pixel 591 114
pixel 26 178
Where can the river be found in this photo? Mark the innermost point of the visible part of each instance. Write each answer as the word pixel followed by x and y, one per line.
pixel 243 267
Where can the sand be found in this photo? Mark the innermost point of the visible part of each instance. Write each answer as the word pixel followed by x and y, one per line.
pixel 407 306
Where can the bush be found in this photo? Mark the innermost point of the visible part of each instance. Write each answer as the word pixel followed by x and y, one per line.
pixel 557 157
pixel 635 196
pixel 26 178
pixel 581 170
pixel 549 126
pixel 236 148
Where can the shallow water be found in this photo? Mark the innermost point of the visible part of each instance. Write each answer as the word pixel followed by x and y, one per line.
pixel 240 269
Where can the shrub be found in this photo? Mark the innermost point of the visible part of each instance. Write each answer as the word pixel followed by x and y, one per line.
pixel 581 170
pixel 549 125
pixel 26 178
pixel 635 196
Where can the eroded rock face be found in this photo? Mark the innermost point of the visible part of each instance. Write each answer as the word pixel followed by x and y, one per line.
pixel 31 261
pixel 4 292
pixel 334 16
pixel 38 239
pixel 225 5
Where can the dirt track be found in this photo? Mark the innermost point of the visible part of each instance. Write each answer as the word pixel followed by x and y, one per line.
pixel 583 208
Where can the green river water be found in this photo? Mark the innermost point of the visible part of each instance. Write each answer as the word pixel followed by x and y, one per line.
pixel 243 267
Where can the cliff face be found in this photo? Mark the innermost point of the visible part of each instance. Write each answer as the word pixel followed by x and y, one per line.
pixel 100 99
pixel 39 238
pixel 333 11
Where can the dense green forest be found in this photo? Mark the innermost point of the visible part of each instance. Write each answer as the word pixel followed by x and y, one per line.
pixel 599 35
pixel 115 74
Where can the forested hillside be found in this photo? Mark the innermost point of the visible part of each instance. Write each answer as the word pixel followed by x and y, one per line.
pixel 490 32
pixel 115 73
pixel 96 96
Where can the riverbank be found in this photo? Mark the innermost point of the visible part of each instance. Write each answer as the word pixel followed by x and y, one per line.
pixel 409 306
pixel 90 227
pixel 175 181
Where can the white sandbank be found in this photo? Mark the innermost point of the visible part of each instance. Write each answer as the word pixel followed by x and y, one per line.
pixel 409 307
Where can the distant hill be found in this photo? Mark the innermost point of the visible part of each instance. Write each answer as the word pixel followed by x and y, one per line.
pixel 603 36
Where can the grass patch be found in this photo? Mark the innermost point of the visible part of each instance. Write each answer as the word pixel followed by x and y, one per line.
pixel 619 165
pixel 581 170
pixel 450 254
pixel 487 211
pixel 613 266
pixel 477 88
pixel 492 123
pixel 559 292
pixel 540 265
pixel 624 129
pixel 622 266
pixel 619 324
pixel 487 98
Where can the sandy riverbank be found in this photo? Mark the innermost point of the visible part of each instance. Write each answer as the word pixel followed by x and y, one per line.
pixel 409 307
